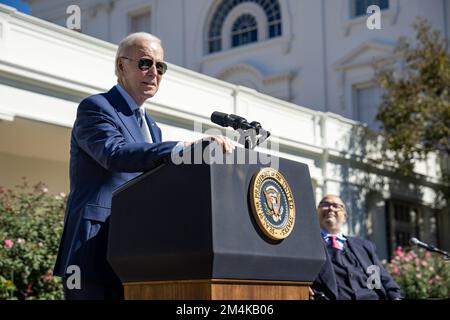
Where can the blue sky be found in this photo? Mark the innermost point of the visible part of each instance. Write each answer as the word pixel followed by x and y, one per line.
pixel 18 4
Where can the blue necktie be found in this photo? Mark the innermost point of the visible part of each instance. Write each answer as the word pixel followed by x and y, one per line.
pixel 140 114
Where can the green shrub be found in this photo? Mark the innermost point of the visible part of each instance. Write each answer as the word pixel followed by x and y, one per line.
pixel 31 222
pixel 420 274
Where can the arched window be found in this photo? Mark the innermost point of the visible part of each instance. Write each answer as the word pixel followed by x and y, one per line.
pixel 271 9
pixel 359 7
pixel 245 30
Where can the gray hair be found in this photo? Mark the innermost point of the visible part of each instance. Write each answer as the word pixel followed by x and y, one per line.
pixel 130 41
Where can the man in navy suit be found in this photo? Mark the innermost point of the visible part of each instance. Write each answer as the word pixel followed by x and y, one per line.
pixel 352 270
pixel 113 141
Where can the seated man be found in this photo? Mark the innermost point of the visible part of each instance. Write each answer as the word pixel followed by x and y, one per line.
pixel 352 270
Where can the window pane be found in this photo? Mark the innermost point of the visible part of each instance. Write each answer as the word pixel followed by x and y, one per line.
pixel 408 220
pixel 215 46
pixel 244 30
pixel 274 30
pixel 368 101
pixel 140 22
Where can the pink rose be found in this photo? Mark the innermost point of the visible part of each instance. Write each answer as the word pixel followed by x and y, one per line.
pixel 8 243
pixel 427 254
pixel 419 276
pixel 395 270
pixel 28 290
pixel 399 252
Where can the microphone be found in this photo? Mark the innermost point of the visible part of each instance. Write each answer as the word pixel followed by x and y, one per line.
pixel 417 242
pixel 253 133
pixel 230 120
pixel 426 246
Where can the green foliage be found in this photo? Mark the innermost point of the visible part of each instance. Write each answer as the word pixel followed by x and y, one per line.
pixel 415 112
pixel 420 274
pixel 31 222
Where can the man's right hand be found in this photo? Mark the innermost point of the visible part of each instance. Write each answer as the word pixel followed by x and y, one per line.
pixel 226 143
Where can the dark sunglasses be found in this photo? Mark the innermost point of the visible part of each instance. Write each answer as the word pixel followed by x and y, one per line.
pixel 326 204
pixel 145 63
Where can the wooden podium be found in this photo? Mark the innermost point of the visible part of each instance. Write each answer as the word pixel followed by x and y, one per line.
pixel 217 289
pixel 188 231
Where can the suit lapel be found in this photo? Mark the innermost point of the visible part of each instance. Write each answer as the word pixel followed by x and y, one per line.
pixel 327 275
pixel 356 250
pixel 125 114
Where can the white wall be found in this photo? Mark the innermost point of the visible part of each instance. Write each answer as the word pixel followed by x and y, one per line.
pixel 54 174
pixel 301 66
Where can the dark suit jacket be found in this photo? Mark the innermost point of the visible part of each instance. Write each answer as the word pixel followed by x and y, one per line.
pixel 365 253
pixel 107 149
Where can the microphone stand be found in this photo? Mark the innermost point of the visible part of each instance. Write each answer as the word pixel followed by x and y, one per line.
pixel 445 254
pixel 441 252
pixel 251 138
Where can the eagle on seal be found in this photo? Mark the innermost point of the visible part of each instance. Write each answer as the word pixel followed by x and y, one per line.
pixel 273 199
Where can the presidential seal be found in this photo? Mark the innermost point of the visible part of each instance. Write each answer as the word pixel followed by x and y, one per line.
pixel 272 203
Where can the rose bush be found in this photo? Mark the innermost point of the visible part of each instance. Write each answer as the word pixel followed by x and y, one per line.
pixel 420 274
pixel 31 222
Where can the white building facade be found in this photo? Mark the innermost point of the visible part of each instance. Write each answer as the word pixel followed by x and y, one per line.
pixel 314 53
pixel 307 84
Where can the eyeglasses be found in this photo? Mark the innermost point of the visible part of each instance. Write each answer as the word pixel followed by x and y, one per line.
pixel 145 63
pixel 326 204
